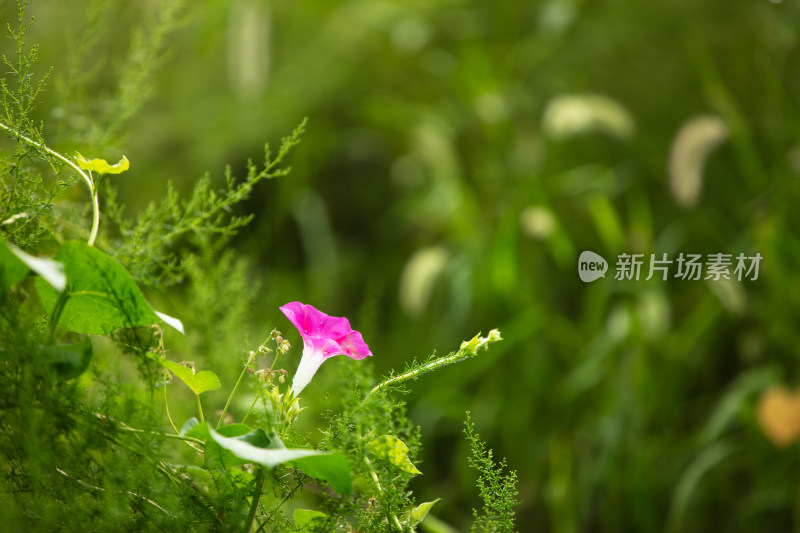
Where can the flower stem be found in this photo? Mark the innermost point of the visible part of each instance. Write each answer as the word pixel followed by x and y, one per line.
pixel 95 217
pixel 235 387
pixel 258 395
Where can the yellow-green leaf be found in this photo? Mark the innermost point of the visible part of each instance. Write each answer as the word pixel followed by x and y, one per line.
pixel 418 513
pixel 392 449
pixel 201 382
pixel 101 166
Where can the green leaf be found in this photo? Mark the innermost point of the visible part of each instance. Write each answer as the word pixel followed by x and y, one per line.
pixel 332 467
pixel 304 517
pixel 418 513
pixel 15 264
pixel 392 449
pixel 269 457
pixel 218 457
pixel 102 295
pixel 201 382
pixel 12 270
pixel 70 360
pixel 198 431
pixel 101 166
pixel 190 424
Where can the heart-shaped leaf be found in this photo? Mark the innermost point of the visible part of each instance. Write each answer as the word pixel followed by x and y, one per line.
pixel 102 295
pixel 201 382
pixel 218 457
pixel 332 467
pixel 15 264
pixel 392 449
pixel 190 424
pixel 12 270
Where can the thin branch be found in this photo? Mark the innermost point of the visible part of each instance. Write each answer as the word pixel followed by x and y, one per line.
pixel 86 177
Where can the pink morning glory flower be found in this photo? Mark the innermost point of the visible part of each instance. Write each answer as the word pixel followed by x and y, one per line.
pixel 323 337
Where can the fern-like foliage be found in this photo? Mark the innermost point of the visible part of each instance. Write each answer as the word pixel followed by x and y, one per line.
pixel 26 195
pixel 496 484
pixel 149 245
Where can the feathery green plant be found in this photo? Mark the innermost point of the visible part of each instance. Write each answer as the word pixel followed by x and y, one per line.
pixel 84 442
pixel 497 486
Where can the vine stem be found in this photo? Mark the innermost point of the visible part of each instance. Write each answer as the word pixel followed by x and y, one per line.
pixel 235 387
pixel 169 417
pixel 259 485
pixel 467 350
pixel 239 381
pixel 86 177
pixel 258 395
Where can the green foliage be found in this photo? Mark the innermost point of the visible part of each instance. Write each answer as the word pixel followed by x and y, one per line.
pixel 200 382
pixel 392 449
pixel 82 440
pixel 497 487
pixel 148 245
pixel 450 194
pixel 70 360
pixel 15 265
pixel 100 295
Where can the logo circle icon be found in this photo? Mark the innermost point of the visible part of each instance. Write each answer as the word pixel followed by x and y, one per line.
pixel 591 266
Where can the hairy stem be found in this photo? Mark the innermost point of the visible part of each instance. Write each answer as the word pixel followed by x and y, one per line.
pixel 467 350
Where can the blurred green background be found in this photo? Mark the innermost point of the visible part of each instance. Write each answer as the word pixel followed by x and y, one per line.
pixel 459 156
